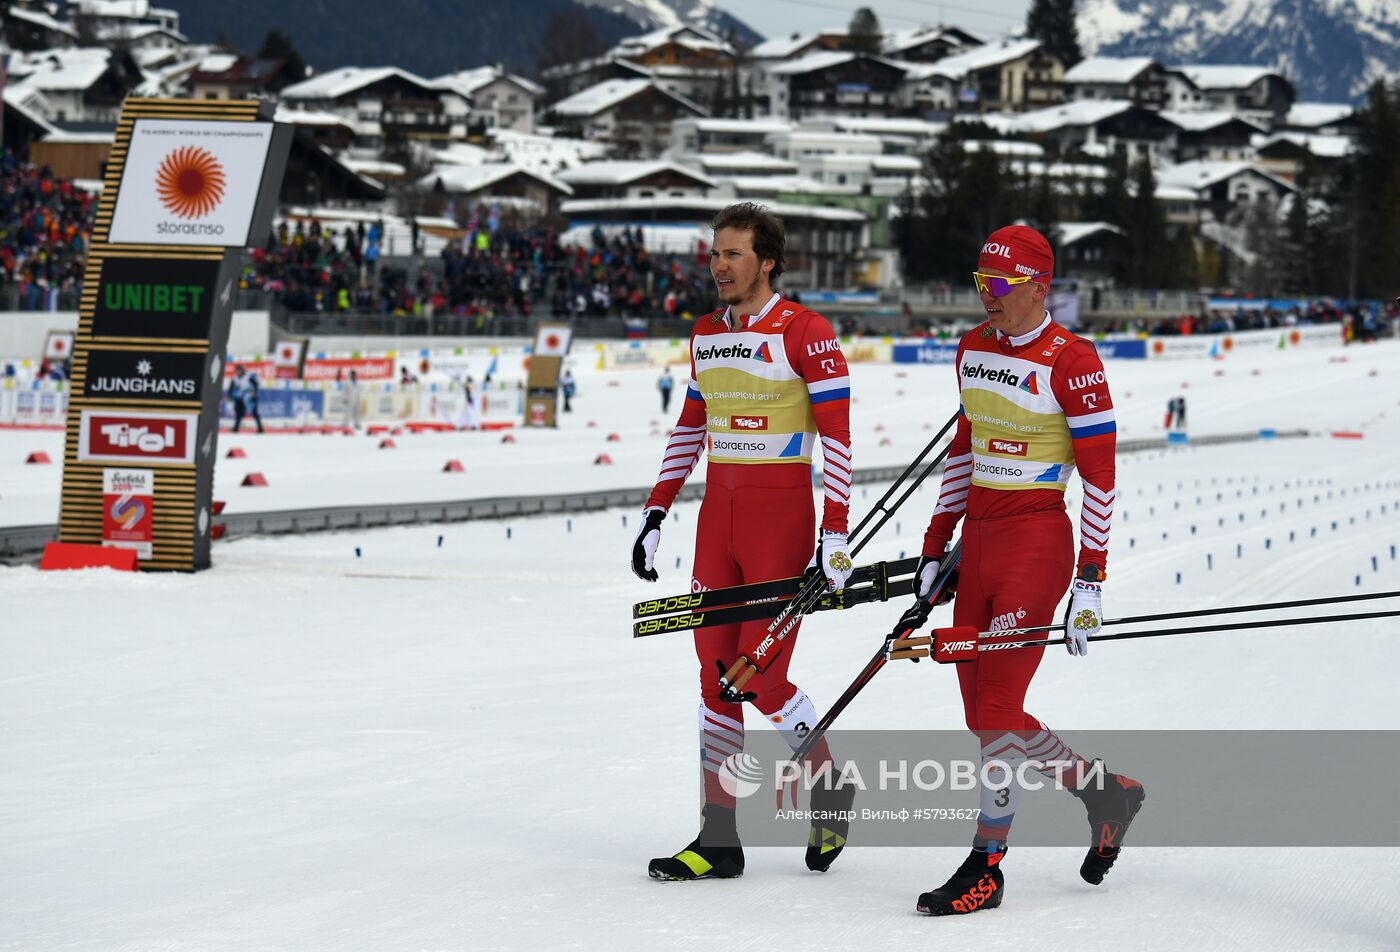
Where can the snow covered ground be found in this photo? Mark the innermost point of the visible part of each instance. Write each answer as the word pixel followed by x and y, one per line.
pixel 451 742
pixel 1286 390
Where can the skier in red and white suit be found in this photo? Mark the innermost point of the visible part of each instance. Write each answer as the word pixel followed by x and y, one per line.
pixel 1034 406
pixel 769 386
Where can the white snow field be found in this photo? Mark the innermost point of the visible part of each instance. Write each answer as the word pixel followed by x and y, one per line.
pixel 457 745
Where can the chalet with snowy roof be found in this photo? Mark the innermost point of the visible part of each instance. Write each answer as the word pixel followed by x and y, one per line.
pixel 1320 118
pixel 1138 79
pixel 142 37
pixel 115 14
pixel 754 76
pixel 636 179
pixel 834 84
pixel 1220 186
pixel 689 46
pixel 633 115
pixel 83 84
pixel 1290 154
pixel 1254 92
pixel 1013 75
pixel 316 175
pixel 500 99
pixel 797 45
pixel 1118 125
pixel 34 28
pixel 529 192
pixel 722 165
pixel 225 76
pixel 1085 249
pixel 385 104
pixel 928 44
pixel 1213 136
pixel 898 135
pixel 690 136
pixel 323 128
pixel 689 61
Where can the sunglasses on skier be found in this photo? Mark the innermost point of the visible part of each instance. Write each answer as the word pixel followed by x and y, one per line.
pixel 998 286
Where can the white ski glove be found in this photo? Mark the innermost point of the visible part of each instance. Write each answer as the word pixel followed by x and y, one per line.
pixel 834 556
pixel 644 546
pixel 1084 617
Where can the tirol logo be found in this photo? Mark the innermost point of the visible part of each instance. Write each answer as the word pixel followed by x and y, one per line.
pixel 190 182
pixel 749 422
pixel 124 436
pixel 144 376
pixel 1007 447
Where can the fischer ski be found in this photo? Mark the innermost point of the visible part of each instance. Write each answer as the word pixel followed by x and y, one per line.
pixel 852 595
pixel 761 591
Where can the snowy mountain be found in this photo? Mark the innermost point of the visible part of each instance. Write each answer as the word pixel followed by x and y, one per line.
pixel 1331 50
pixel 431 37
pixel 656 14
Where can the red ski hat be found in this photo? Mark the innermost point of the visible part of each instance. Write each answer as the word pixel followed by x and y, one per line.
pixel 1019 250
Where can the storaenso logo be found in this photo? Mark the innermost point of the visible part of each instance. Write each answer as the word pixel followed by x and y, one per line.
pixel 751 445
pixel 1000 375
pixel 720 353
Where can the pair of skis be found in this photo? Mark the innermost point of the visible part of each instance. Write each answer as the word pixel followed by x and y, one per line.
pixel 879 581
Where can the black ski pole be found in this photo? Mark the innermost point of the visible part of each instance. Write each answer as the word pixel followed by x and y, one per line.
pixel 946 567
pixel 957 650
pixel 1198 613
pixel 739 673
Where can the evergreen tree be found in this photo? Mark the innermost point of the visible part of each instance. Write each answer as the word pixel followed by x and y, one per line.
pixel 1052 23
pixel 1302 236
pixel 277 45
pixel 864 29
pixel 1145 228
pixel 1372 198
pixel 569 36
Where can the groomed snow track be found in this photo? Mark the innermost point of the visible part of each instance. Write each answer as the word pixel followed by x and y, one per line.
pixel 26 543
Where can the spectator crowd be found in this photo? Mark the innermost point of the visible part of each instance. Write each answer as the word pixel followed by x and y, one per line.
pixel 487 275
pixel 45 230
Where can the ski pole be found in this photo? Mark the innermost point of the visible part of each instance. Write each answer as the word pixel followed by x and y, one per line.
pixel 967 632
pixel 946 567
pixel 739 673
pixel 956 645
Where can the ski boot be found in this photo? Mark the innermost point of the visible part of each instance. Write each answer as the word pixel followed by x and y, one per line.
pixel 714 854
pixel 827 837
pixel 978 884
pixel 1111 810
